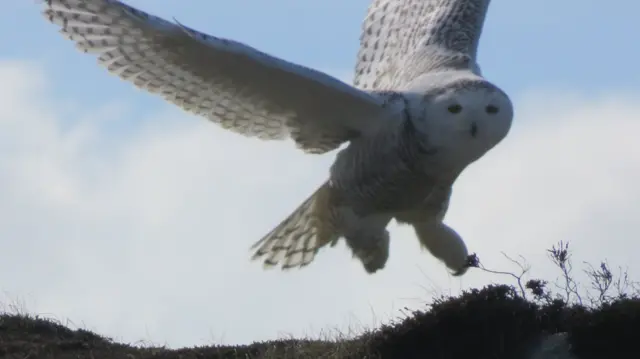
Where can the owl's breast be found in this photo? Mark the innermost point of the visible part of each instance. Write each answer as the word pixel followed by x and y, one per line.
pixel 374 175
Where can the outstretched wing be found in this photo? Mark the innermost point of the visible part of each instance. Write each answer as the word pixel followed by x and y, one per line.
pixel 232 84
pixel 405 38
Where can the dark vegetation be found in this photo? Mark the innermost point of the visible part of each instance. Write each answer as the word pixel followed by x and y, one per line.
pixel 499 321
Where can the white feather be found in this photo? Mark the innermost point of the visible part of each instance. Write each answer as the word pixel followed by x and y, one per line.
pixel 237 86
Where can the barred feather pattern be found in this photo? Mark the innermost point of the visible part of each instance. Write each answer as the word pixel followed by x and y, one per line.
pixel 442 32
pixel 296 240
pixel 236 86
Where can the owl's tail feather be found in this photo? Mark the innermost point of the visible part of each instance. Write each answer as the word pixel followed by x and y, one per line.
pixel 296 240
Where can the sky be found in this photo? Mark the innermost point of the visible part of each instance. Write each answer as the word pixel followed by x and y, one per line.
pixel 124 215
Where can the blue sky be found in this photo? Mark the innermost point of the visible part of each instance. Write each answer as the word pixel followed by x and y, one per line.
pixel 134 218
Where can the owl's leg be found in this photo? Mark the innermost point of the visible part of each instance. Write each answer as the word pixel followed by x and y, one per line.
pixel 372 250
pixel 444 243
pixel 368 239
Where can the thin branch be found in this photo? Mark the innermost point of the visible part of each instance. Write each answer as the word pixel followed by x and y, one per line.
pixel 523 267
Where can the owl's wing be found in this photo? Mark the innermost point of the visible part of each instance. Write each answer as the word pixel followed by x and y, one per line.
pixel 238 87
pixel 405 38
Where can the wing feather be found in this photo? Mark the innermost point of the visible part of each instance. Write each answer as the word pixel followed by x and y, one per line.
pixel 234 85
pixel 405 38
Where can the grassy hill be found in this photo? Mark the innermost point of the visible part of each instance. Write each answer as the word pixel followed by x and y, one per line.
pixel 494 322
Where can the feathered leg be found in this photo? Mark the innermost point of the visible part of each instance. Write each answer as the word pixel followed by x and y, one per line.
pixel 443 243
pixel 368 239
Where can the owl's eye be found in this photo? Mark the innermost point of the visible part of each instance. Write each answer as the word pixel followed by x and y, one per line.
pixel 491 109
pixel 454 108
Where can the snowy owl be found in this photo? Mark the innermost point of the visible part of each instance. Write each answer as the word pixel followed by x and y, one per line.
pixel 419 112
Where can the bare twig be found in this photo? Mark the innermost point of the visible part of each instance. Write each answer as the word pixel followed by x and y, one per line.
pixel 601 280
pixel 524 268
pixel 561 257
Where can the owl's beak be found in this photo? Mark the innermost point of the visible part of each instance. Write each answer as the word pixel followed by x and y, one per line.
pixel 474 129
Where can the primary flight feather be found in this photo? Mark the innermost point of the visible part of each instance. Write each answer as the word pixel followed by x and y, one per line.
pixel 418 114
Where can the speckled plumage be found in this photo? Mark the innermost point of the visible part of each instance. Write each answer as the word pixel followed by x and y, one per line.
pixel 418 114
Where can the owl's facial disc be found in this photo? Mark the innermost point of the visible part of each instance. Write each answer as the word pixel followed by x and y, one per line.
pixel 467 118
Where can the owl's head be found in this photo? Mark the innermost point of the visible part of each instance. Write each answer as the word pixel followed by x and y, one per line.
pixel 460 113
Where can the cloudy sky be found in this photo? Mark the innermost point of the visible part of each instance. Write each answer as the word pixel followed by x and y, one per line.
pixel 124 215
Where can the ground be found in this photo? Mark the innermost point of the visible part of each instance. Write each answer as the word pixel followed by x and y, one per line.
pixel 493 322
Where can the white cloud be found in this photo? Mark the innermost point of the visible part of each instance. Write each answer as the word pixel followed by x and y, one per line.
pixel 143 234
